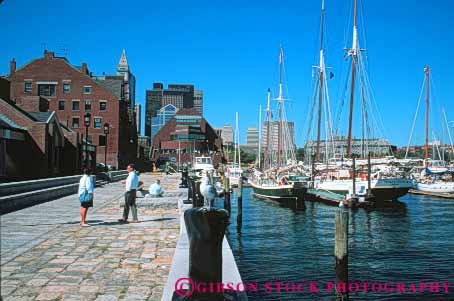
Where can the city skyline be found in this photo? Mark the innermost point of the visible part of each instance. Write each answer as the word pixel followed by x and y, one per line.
pixel 240 49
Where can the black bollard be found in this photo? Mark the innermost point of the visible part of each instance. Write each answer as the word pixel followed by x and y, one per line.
pixel 341 255
pixel 198 195
pixel 189 186
pixel 206 229
pixel 184 178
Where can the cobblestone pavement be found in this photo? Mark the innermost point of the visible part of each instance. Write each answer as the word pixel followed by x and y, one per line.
pixel 46 255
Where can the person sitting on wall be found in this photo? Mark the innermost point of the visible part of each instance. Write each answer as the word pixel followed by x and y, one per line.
pixel 155 189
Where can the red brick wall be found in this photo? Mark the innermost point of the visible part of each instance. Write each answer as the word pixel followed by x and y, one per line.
pixel 58 70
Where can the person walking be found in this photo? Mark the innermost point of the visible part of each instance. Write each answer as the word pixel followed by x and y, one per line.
pixel 86 190
pixel 130 196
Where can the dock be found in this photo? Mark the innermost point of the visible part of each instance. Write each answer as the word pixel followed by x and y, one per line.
pixel 433 194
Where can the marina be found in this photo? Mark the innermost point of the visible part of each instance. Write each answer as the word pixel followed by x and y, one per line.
pixel 412 244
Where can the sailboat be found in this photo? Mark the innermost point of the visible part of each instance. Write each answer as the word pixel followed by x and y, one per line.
pixel 384 184
pixel 434 177
pixel 234 171
pixel 279 179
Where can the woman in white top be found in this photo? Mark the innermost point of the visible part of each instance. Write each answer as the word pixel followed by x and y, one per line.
pixel 85 185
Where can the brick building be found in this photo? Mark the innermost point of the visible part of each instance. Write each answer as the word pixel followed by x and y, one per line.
pixel 33 143
pixel 72 92
pixel 184 136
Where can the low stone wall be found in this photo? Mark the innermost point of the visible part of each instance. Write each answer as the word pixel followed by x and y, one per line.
pixel 18 195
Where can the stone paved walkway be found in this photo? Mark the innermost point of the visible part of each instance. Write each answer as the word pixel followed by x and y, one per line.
pixel 46 255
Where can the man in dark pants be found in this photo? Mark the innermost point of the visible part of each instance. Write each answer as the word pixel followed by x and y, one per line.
pixel 130 195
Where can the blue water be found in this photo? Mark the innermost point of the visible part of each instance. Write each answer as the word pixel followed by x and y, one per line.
pixel 388 246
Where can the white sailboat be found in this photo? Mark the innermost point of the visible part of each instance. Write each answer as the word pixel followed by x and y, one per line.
pixel 278 180
pixel 335 176
pixel 434 177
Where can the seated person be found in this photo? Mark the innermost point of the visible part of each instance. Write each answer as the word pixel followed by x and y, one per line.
pixel 155 189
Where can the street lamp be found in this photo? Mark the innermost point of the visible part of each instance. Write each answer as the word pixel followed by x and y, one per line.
pixel 106 132
pixel 87 119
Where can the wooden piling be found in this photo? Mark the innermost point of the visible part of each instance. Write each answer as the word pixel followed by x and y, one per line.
pixel 341 254
pixel 239 218
pixel 227 193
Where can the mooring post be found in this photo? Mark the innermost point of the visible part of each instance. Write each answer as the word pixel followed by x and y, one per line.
pixel 341 254
pixel 239 218
pixel 227 193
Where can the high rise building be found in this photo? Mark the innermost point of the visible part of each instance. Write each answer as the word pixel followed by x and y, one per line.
pixel 198 101
pixel 180 96
pixel 227 134
pixel 129 80
pixel 138 112
pixel 252 138
pixel 274 133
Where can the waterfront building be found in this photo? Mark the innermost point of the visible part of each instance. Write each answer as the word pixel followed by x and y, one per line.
pixel 185 135
pixel 33 142
pixel 180 96
pixel 72 92
pixel 359 147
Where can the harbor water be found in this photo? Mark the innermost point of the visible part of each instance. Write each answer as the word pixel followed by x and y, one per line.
pixel 280 245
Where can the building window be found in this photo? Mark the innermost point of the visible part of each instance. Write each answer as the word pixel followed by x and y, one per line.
pixel 75 122
pixel 66 88
pixel 90 139
pixel 102 140
pixel 88 105
pixel 28 87
pixel 102 105
pixel 61 105
pixel 76 105
pixel 87 89
pixel 97 122
pixel 46 90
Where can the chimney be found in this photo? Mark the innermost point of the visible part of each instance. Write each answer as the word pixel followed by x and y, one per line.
pixel 84 68
pixel 48 55
pixel 12 66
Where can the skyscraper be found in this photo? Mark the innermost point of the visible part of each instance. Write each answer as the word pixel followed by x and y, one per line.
pixel 252 138
pixel 130 80
pixel 274 133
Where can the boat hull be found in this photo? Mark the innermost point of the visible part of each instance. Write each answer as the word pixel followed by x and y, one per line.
pixel 436 187
pixel 386 189
pixel 279 193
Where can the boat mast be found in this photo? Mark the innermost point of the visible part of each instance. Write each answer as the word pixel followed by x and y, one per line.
pixel 353 53
pixel 321 70
pixel 237 140
pixel 260 135
pixel 427 73
pixel 280 100
pixel 267 159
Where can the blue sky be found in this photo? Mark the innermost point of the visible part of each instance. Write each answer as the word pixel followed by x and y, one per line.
pixel 229 49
